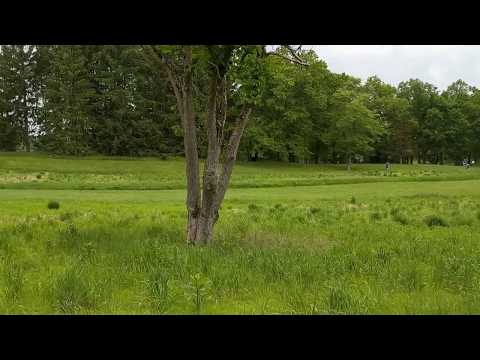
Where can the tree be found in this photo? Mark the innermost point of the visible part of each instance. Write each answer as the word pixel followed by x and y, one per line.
pixel 353 127
pixel 401 131
pixel 460 113
pixel 397 142
pixel 66 126
pixel 20 92
pixel 472 112
pixel 421 97
pixel 8 130
pixel 283 125
pixel 234 73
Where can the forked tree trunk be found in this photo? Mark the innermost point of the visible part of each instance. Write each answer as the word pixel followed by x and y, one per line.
pixel 203 203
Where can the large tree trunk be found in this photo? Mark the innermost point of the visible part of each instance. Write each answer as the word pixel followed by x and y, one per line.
pixel 203 205
pixel 209 212
pixel 191 149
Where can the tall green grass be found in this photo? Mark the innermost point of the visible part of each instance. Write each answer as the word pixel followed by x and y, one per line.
pixel 295 257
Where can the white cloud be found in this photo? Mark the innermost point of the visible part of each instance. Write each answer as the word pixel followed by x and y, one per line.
pixel 439 65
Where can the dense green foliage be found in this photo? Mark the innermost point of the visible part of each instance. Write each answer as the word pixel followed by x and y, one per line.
pixel 411 248
pixel 107 99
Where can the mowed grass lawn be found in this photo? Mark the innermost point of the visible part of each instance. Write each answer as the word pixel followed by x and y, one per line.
pixel 292 239
pixel 101 173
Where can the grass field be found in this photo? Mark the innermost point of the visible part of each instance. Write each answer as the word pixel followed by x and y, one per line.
pixel 292 239
pixel 100 173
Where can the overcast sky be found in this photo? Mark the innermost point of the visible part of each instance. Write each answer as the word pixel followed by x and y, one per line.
pixel 439 65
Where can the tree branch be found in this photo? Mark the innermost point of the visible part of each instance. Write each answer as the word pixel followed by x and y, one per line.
pixel 231 154
pixel 155 55
pixel 294 55
pixel 190 142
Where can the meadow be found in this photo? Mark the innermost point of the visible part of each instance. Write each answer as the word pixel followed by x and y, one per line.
pixel 106 236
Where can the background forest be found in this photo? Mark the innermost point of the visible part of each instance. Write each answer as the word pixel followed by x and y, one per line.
pixel 105 99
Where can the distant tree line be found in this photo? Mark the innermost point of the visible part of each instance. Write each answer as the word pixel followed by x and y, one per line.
pixel 107 99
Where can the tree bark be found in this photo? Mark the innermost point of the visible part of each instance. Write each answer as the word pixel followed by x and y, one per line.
pixel 208 212
pixel 191 150
pixel 183 89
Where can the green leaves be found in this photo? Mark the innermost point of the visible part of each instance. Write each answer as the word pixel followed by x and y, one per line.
pixel 352 126
pixel 20 83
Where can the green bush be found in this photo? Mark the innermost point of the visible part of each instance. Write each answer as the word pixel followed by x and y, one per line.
pixel 53 205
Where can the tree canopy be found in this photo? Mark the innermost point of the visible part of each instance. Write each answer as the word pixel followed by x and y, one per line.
pixel 108 99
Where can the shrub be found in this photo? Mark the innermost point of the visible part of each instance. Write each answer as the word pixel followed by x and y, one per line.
pixel 435 220
pixel 39 176
pixel 198 291
pixel 400 218
pixel 353 200
pixel 53 205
